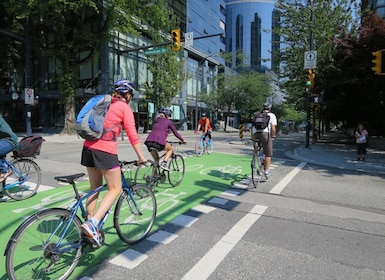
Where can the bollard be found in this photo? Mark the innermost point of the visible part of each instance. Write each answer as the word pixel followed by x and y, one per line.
pixel 241 131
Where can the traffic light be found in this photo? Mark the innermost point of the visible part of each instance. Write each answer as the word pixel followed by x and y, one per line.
pixel 175 39
pixel 310 78
pixel 378 62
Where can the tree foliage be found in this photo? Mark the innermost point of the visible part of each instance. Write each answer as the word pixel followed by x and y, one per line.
pixel 354 93
pixel 324 19
pixel 244 92
pixel 61 29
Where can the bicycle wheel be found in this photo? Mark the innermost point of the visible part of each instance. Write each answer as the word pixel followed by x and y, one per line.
pixel 199 147
pixel 24 179
pixel 133 219
pixel 256 172
pixel 144 173
pixel 35 250
pixel 209 146
pixel 176 168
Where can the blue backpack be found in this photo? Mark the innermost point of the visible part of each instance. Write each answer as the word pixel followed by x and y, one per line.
pixel 90 120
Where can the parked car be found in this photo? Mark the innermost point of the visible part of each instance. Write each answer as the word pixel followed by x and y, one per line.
pixel 247 127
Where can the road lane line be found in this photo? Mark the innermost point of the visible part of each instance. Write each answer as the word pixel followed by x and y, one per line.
pixel 209 262
pixel 278 188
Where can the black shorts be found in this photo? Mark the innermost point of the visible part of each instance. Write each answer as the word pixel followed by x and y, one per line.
pixel 154 145
pixel 99 159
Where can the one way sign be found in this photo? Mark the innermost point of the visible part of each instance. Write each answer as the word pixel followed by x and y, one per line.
pixel 310 60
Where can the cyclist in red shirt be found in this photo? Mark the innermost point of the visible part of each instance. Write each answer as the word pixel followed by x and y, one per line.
pixel 204 125
pixel 101 157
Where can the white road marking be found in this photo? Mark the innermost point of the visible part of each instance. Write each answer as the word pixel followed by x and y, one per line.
pixel 209 262
pixel 217 200
pixel 278 188
pixel 162 236
pixel 203 208
pixel 129 258
pixel 184 221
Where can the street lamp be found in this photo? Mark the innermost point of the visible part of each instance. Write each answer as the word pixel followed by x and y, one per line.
pixel 200 64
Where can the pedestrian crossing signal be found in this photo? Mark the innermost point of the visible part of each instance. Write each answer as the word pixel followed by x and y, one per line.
pixel 175 39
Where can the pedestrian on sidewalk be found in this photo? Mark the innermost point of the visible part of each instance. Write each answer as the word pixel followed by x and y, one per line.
pixel 361 136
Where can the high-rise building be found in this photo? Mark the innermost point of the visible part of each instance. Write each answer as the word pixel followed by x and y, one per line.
pixel 374 5
pixel 249 31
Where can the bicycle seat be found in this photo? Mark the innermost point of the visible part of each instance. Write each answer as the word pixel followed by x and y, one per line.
pixel 69 178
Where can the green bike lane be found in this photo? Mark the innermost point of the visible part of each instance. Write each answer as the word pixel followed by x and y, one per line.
pixel 205 177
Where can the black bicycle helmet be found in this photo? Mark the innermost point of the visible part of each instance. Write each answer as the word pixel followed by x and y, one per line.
pixel 267 106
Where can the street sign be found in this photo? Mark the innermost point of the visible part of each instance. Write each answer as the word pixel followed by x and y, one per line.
pixel 156 51
pixel 310 60
pixel 189 39
pixel 29 96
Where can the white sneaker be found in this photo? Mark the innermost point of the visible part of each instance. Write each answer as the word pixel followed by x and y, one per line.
pixel 164 166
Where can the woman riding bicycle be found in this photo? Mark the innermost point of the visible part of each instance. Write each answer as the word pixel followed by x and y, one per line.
pixel 101 159
pixel 157 139
pixel 8 143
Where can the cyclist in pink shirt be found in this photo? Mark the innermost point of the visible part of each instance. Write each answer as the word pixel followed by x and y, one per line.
pixel 101 156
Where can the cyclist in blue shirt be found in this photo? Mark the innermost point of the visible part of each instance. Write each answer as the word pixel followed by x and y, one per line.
pixel 8 143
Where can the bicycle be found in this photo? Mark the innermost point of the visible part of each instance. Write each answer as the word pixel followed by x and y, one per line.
pixel 24 175
pixel 202 145
pixel 257 164
pixel 49 244
pixel 153 174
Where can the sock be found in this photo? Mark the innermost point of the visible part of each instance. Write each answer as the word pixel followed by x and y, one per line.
pixel 95 221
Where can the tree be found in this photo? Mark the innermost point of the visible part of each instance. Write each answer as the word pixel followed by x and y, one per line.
pixel 244 92
pixel 298 20
pixel 62 29
pixel 354 93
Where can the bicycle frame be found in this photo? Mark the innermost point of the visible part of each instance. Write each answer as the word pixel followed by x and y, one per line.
pixel 79 205
pixel 17 172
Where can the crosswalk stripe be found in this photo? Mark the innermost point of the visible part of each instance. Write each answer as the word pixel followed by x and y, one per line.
pixel 209 262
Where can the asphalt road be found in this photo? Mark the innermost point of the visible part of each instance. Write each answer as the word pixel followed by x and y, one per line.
pixel 305 222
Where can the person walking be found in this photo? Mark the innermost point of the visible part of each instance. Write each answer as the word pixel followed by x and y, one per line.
pixel 157 139
pixel 361 136
pixel 204 125
pixel 101 158
pixel 267 135
pixel 8 143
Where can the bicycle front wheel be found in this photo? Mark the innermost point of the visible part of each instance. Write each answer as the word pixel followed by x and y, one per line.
pixel 36 251
pixel 24 179
pixel 176 170
pixel 135 214
pixel 256 171
pixel 144 173
pixel 199 148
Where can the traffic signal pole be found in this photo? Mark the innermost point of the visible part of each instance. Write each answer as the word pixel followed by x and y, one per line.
pixel 308 89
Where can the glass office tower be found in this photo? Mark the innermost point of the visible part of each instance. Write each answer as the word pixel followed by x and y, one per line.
pixel 249 26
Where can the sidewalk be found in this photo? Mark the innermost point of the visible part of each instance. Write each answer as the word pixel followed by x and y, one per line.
pixel 337 150
pixel 332 150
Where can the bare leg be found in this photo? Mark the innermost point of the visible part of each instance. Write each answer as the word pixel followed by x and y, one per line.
pixel 168 149
pixel 267 163
pixel 114 185
pixel 96 180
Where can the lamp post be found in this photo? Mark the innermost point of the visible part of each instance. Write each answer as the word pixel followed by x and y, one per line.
pixel 200 65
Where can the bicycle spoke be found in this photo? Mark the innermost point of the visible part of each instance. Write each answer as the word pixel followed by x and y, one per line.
pixel 42 249
pixel 24 179
pixel 176 170
pixel 133 219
